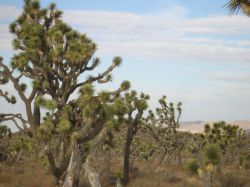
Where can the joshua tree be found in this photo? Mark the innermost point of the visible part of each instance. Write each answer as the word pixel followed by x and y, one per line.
pixel 55 58
pixel 161 135
pixel 52 56
pixel 227 136
pixel 82 125
pixel 96 114
pixel 196 144
pixel 163 125
pixel 239 5
pixel 136 105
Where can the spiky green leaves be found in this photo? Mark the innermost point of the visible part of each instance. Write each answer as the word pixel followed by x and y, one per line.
pixel 112 124
pixel 47 130
pixel 44 38
pixel 235 6
pixel 3 80
pixel 168 114
pixel 46 103
pixel 23 87
pixel 135 102
pixel 19 61
pixel 192 166
pixel 117 61
pixel 64 125
pixel 212 153
pixel 10 99
pixel 4 131
pixel 125 85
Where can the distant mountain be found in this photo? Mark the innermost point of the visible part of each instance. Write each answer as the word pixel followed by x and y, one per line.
pixel 198 126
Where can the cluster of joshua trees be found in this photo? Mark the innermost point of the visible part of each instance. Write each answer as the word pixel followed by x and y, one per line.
pixel 57 61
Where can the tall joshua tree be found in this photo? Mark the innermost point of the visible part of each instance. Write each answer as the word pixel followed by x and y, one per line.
pixel 136 105
pixel 96 114
pixel 51 55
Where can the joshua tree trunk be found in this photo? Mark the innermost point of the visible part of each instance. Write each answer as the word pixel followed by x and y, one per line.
pixel 57 168
pixel 126 155
pixel 178 158
pixel 37 115
pixel 92 174
pixel 178 150
pixel 77 158
pixel 107 161
pixel 162 157
pixel 208 182
pixel 132 163
pixel 19 155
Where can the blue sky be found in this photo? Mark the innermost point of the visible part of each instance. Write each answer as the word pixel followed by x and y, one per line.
pixel 192 51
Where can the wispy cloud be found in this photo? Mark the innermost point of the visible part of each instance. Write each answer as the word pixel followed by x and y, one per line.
pixel 231 77
pixel 170 35
pixel 9 12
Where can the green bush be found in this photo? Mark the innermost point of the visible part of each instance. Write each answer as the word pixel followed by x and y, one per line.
pixel 212 153
pixel 192 167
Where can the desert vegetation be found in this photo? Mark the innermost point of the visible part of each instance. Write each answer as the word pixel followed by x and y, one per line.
pixel 73 135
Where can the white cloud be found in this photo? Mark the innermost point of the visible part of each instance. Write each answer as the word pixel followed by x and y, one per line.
pixel 169 35
pixel 231 76
pixel 9 12
pixel 5 38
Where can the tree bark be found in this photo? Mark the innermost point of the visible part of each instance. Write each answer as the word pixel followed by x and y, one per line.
pixel 162 157
pixel 92 174
pixel 94 179
pixel 177 150
pixel 126 155
pixel 74 168
pixel 57 169
pixel 30 117
pixel 107 161
pixel 178 158
pixel 37 116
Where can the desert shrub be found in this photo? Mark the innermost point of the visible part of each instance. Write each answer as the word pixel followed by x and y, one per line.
pixel 5 137
pixel 241 160
pixel 244 160
pixel 247 161
pixel 212 153
pixel 236 179
pixel 192 166
pixel 173 178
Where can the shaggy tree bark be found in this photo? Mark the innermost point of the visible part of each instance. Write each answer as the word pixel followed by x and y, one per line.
pixel 129 140
pixel 92 174
pixel 177 150
pixel 107 161
pixel 73 172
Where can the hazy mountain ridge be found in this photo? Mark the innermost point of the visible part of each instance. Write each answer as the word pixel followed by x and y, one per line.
pixel 198 126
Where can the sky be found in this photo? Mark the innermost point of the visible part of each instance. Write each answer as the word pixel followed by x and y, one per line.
pixel 191 51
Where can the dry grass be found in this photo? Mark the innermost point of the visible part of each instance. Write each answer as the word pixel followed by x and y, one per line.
pixel 145 174
pixel 27 174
